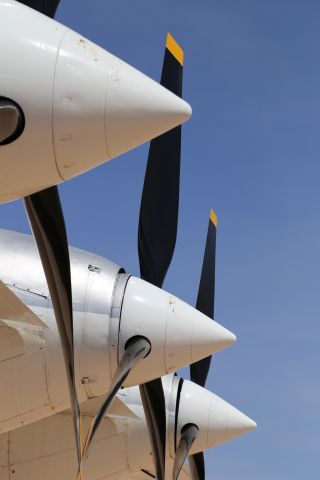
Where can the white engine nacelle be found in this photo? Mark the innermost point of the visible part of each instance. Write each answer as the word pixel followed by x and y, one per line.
pixel 67 105
pixel 109 308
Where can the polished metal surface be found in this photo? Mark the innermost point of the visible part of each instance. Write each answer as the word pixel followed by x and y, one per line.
pixel 93 277
pixel 94 281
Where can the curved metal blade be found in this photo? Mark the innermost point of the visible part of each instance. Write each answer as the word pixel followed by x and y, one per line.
pixel 157 235
pixel 205 304
pixel 154 407
pixel 189 433
pixel 137 348
pixel 47 223
pixel 196 465
pixel 205 301
pixel 47 7
pixel 160 197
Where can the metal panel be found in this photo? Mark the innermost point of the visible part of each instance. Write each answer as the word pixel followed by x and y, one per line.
pixel 23 387
pixel 13 309
pixel 51 453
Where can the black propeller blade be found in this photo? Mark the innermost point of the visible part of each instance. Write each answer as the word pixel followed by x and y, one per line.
pixel 205 300
pixel 154 406
pixel 160 197
pixel 188 435
pixel 47 223
pixel 136 349
pixel 47 7
pixel 205 304
pixel 196 465
pixel 157 235
pixel 48 226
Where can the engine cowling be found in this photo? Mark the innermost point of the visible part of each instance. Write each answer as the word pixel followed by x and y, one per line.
pixel 67 105
pixel 110 307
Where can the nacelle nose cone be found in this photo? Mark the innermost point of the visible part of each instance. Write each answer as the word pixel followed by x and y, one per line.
pixel 138 108
pixel 206 334
pixel 227 422
pixel 102 102
pixel 217 420
pixel 179 334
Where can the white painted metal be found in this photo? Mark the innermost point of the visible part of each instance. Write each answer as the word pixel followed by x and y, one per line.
pixel 51 456
pixel 179 334
pixel 217 420
pixel 122 449
pixel 108 310
pixel 12 309
pixel 82 105
pixel 24 390
pixel 94 280
pixel 137 108
pixel 28 58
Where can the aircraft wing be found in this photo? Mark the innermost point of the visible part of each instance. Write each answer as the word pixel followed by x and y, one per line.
pixel 51 453
pixel 145 475
pixel 45 449
pixel 117 408
pixel 12 309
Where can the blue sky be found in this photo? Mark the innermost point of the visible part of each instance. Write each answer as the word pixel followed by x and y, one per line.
pixel 252 152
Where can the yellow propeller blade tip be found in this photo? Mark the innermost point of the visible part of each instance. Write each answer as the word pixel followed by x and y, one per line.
pixel 175 49
pixel 213 218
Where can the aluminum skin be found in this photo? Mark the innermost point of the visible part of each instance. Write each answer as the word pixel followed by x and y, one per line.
pixel 82 105
pixel 122 449
pixel 110 307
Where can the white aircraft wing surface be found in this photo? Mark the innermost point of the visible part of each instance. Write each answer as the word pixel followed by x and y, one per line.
pixel 12 309
pixel 45 449
pixel 146 475
pixel 117 408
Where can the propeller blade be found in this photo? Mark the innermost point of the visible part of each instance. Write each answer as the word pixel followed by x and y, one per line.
pixel 154 407
pixel 205 304
pixel 157 235
pixel 47 223
pixel 188 435
pixel 136 349
pixel 47 7
pixel 160 197
pixel 205 301
pixel 196 465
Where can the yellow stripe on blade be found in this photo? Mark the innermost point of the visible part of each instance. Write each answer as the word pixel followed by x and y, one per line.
pixel 213 218
pixel 174 48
